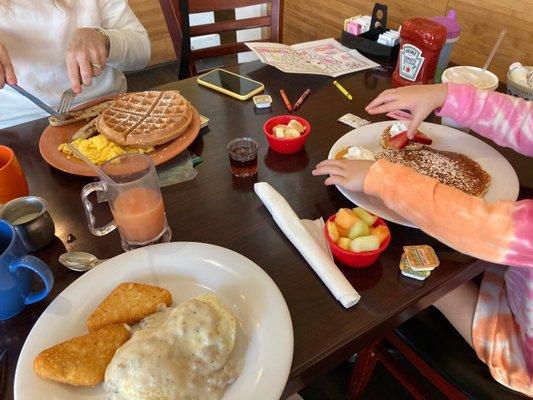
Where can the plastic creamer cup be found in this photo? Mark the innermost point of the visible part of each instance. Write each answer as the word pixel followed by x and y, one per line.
pixel 473 75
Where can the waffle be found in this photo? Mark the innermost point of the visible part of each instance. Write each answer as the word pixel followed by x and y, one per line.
pixel 452 169
pixel 146 118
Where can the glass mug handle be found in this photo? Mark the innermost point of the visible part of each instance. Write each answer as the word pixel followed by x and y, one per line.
pixel 88 206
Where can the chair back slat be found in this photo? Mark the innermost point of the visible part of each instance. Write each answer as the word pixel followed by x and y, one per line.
pixel 198 6
pixel 228 26
pixel 223 50
pixel 181 31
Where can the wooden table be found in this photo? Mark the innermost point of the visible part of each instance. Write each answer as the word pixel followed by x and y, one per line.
pixel 216 208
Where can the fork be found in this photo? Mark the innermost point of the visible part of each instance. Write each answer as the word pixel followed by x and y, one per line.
pixel 67 98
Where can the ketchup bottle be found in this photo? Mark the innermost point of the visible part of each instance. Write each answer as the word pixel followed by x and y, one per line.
pixel 421 41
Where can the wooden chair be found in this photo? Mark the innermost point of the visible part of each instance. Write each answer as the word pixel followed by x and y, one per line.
pixel 429 344
pixel 177 12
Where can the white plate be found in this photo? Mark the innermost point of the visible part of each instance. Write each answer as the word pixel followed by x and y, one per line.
pixel 264 341
pixel 504 183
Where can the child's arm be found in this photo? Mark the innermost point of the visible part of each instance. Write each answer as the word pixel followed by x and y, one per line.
pixel 506 120
pixel 499 232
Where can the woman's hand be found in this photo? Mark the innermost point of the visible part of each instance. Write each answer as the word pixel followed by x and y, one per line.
pixel 421 100
pixel 86 56
pixel 7 74
pixel 350 174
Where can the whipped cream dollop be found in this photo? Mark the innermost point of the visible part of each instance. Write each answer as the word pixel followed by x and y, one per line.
pixel 397 128
pixel 359 153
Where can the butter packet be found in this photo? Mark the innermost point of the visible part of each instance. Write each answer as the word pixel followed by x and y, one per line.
pixel 421 258
pixel 353 120
pixel 407 271
pixel 204 121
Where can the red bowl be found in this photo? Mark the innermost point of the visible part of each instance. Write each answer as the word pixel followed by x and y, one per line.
pixel 284 145
pixel 352 259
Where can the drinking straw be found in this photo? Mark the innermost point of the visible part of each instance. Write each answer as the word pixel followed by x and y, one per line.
pixel 494 50
pixel 95 168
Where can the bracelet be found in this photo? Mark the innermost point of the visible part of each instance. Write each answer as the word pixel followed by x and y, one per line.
pixel 104 34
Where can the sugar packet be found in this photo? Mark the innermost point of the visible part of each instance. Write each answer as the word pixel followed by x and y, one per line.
pixel 353 120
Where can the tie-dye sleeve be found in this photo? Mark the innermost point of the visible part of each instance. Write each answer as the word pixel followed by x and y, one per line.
pixel 500 232
pixel 506 120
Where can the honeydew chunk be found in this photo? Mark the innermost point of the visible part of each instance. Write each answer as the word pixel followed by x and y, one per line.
pixel 365 243
pixel 380 231
pixel 365 215
pixel 333 231
pixel 359 228
pixel 345 218
pixel 296 125
pixel 279 131
pixel 291 133
pixel 344 243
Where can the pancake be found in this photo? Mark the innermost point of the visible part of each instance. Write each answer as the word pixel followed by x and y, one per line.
pixel 386 136
pixel 452 169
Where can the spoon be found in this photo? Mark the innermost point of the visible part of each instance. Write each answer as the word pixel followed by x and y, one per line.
pixel 79 261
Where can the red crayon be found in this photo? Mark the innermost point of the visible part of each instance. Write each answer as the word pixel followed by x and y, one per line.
pixel 302 98
pixel 285 100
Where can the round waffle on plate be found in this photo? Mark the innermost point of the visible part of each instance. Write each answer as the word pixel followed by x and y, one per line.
pixel 145 119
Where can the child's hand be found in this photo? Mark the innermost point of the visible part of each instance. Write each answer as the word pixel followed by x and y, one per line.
pixel 350 174
pixel 421 100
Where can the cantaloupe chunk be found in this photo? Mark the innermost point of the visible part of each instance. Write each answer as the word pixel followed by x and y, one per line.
pixel 359 228
pixel 344 243
pixel 365 243
pixel 333 231
pixel 380 231
pixel 345 218
pixel 343 232
pixel 365 215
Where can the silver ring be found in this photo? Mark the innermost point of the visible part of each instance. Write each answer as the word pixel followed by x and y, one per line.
pixel 97 66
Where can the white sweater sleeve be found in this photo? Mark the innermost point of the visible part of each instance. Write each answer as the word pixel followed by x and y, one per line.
pixel 129 42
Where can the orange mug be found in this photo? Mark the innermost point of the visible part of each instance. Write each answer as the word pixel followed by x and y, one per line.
pixel 12 181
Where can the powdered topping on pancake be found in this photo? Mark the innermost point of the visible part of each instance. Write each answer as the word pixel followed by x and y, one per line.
pixel 449 168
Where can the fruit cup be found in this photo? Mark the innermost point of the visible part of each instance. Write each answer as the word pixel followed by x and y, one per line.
pixel 355 259
pixel 286 145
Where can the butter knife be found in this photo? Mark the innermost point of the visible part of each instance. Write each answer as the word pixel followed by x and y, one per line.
pixel 38 102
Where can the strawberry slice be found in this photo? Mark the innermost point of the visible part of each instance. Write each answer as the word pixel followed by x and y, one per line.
pixel 421 138
pixel 399 141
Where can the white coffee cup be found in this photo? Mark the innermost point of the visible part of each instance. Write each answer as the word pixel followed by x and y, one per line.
pixel 473 75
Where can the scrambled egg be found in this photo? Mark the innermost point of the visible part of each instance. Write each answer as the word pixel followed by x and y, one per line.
pixel 99 149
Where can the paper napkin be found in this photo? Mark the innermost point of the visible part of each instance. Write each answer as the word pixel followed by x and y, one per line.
pixel 318 258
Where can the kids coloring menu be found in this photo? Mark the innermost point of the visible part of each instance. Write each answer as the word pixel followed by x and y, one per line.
pixel 321 57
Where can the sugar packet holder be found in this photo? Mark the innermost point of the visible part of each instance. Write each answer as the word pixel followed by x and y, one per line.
pixel 367 42
pixel 353 120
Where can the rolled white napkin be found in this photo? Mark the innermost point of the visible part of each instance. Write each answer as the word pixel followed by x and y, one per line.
pixel 318 259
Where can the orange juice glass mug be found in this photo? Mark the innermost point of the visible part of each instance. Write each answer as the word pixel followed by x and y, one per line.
pixel 12 181
pixel 135 201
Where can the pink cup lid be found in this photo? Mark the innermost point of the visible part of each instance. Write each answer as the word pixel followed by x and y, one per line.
pixel 452 27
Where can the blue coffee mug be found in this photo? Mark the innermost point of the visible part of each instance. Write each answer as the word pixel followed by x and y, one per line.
pixel 16 274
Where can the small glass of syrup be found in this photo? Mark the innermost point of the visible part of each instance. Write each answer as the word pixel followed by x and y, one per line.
pixel 243 156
